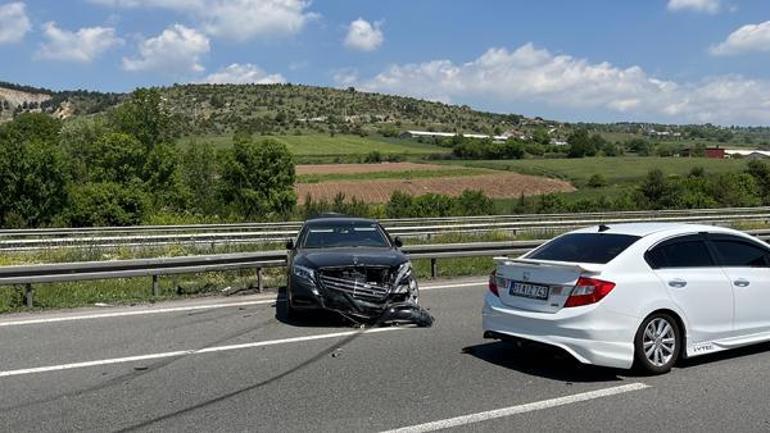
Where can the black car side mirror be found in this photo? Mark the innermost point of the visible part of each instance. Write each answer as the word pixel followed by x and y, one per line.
pixel 290 244
pixel 398 242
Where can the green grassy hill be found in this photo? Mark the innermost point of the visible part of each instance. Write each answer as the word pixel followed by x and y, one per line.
pixel 290 110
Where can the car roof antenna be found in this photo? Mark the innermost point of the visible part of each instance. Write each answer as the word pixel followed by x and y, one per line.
pixel 603 228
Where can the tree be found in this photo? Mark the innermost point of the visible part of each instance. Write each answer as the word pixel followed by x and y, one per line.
pixel 258 179
pixel 146 116
pixel 78 139
pixel 541 136
pixel 33 172
pixel 200 171
pixel 761 174
pixel 639 146
pixel 657 191
pixel 117 157
pixel 162 178
pixel 32 127
pixel 580 144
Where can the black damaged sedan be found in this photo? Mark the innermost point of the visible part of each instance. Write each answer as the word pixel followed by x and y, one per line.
pixel 352 266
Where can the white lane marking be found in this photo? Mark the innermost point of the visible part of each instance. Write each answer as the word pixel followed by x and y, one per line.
pixel 134 313
pixel 452 286
pixel 107 315
pixel 179 353
pixel 515 410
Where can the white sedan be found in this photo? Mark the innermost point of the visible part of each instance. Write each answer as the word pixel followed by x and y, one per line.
pixel 635 294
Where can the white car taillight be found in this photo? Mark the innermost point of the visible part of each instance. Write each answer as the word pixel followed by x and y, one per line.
pixel 493 283
pixel 588 291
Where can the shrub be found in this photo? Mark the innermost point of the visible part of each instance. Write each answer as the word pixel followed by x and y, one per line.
pixel 106 204
pixel 400 205
pixel 488 149
pixel 373 157
pixel 432 205
pixel 597 181
pixel 472 202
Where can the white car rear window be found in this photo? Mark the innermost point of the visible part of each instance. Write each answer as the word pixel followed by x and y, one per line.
pixel 584 248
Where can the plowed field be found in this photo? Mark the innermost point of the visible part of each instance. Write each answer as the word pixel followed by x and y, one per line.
pixel 366 168
pixel 498 185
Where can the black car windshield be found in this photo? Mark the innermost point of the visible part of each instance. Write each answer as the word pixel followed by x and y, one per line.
pixel 345 235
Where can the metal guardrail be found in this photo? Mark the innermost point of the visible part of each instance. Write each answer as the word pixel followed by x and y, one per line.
pixel 27 275
pixel 390 223
pixel 223 234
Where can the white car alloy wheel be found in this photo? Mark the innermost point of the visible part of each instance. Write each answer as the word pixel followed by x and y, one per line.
pixel 659 342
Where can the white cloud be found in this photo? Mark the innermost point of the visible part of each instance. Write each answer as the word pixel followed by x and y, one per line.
pixel 177 49
pixel 751 37
pixel 81 46
pixel 345 77
pixel 707 6
pixel 169 4
pixel 364 36
pixel 14 23
pixel 245 19
pixel 234 19
pixel 532 75
pixel 243 74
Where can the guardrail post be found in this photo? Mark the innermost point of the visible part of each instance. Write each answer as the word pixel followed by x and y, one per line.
pixel 433 268
pixel 155 286
pixel 259 280
pixel 29 293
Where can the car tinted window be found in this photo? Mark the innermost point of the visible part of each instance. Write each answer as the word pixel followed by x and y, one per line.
pixel 344 235
pixel 687 252
pixel 584 247
pixel 738 252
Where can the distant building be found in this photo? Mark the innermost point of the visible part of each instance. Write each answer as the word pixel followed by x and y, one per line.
pixel 418 134
pixel 747 154
pixel 663 134
pixel 715 152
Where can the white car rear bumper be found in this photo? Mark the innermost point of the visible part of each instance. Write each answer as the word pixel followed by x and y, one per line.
pixel 591 334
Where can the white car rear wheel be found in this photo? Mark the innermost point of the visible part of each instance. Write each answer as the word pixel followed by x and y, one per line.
pixel 657 343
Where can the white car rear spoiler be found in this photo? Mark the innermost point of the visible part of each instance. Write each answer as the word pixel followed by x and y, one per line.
pixel 583 268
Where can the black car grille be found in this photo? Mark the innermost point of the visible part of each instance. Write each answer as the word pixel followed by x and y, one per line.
pixel 364 284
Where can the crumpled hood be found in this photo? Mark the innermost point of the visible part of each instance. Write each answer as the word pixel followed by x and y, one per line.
pixel 333 257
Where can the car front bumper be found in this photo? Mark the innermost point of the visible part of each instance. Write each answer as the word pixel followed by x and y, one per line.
pixel 591 334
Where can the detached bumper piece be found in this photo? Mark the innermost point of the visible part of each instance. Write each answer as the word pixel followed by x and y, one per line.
pixel 367 296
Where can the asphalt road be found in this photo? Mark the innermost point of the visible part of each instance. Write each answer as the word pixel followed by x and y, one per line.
pixel 207 366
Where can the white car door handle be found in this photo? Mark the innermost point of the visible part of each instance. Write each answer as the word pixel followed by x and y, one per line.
pixel 740 282
pixel 677 283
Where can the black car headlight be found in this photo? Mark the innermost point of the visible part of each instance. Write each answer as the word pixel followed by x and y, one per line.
pixel 404 281
pixel 304 273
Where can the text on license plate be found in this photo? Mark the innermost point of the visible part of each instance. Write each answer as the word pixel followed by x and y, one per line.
pixel 526 290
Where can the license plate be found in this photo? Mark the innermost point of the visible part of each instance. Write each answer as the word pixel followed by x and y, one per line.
pixel 527 290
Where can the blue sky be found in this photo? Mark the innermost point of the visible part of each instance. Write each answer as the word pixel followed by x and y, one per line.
pixel 672 61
